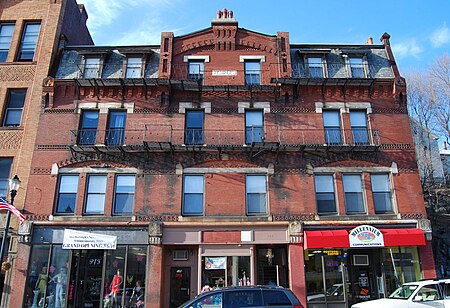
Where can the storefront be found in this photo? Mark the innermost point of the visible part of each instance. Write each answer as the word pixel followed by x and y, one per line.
pixel 348 266
pixel 87 268
pixel 198 258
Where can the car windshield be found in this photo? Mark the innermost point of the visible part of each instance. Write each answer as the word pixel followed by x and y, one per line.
pixel 404 292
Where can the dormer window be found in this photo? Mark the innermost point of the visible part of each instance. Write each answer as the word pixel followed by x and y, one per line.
pixel 357 67
pixel 91 68
pixel 134 67
pixel 252 71
pixel 315 67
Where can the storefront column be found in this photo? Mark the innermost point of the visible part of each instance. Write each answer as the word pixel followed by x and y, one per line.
pixel 154 277
pixel 297 271
pixel 18 275
pixel 426 257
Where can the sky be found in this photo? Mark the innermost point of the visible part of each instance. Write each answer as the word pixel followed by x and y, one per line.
pixel 420 30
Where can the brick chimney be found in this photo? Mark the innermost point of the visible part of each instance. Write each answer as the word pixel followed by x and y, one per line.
pixel 385 39
pixel 224 27
pixel 369 41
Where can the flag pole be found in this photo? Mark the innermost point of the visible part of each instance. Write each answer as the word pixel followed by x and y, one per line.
pixel 14 184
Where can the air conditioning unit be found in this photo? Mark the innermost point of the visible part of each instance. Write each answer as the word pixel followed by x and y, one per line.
pixel 180 255
pixel 360 260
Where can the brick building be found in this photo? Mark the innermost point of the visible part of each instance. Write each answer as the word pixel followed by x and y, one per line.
pixel 222 157
pixel 30 33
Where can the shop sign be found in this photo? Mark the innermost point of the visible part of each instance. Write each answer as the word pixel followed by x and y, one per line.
pixel 366 236
pixel 224 72
pixel 74 239
pixel 215 263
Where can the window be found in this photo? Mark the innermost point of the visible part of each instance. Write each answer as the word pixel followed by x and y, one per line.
pixel 116 128
pixel 134 68
pixel 325 196
pixel 254 130
pixel 243 298
pixel 124 194
pixel 332 127
pixel 14 107
pixel 381 191
pixel 95 195
pixel 5 170
pixel 353 193
pixel 87 134
pixel 357 67
pixel 91 68
pixel 67 194
pixel 196 69
pixel 256 194
pixel 29 41
pixel 429 293
pixel 193 132
pixel 252 70
pixel 6 33
pixel 193 186
pixel 358 121
pixel 315 67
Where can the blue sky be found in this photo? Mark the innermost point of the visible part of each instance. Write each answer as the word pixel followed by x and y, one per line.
pixel 420 30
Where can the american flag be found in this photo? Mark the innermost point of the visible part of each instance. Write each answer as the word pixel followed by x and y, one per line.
pixel 5 205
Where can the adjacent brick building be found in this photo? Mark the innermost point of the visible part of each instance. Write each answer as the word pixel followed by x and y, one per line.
pixel 222 157
pixel 30 33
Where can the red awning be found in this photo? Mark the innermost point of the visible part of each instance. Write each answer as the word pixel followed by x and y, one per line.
pixel 326 239
pixel 403 237
pixel 339 238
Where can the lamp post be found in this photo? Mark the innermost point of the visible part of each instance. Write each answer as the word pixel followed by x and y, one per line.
pixel 14 185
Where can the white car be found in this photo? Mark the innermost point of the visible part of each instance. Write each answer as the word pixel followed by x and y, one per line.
pixel 423 294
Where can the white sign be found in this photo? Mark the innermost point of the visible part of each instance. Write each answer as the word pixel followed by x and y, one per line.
pixel 366 236
pixel 215 263
pixel 74 239
pixel 224 73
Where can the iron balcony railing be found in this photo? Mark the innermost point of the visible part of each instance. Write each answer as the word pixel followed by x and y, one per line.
pixel 284 136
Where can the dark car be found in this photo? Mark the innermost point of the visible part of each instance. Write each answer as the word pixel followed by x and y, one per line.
pixel 251 296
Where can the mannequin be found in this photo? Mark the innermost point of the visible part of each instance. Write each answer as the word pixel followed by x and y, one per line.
pixel 115 287
pixel 138 294
pixel 41 282
pixel 60 280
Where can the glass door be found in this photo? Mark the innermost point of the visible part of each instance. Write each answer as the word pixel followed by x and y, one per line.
pixel 180 282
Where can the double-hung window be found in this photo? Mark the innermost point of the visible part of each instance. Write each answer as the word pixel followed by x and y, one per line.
pixel 358 122
pixel 14 107
pixel 256 190
pixel 134 67
pixel 124 194
pixel 315 67
pixel 95 194
pixel 196 69
pixel 357 67
pixel 116 128
pixel 91 68
pixel 353 192
pixel 87 133
pixel 193 188
pixel 5 170
pixel 29 41
pixel 67 194
pixel 332 127
pixel 6 33
pixel 325 195
pixel 193 132
pixel 254 126
pixel 252 69
pixel 381 192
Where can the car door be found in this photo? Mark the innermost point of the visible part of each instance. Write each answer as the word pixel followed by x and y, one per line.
pixel 427 296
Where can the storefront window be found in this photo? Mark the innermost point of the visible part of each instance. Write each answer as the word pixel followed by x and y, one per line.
pixel 226 271
pixel 37 276
pixel 56 286
pixel 135 278
pixel 114 275
pixel 271 265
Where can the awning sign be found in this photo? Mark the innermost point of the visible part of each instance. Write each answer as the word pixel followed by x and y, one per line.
pixel 366 236
pixel 74 239
pixel 215 263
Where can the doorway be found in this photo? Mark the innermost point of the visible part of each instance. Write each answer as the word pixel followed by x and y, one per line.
pixel 180 282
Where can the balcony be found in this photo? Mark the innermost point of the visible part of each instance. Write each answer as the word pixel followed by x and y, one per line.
pixel 162 138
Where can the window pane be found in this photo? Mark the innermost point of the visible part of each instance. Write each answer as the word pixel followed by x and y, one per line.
pixel 133 68
pixel 380 183
pixel 352 183
pixel 37 275
pixel 115 275
pixel 124 197
pixel 68 184
pixel 358 119
pixel 91 68
pixel 95 203
pixel 5 170
pixel 254 118
pixel 90 119
pixel 357 68
pixel 97 184
pixel 56 286
pixel 315 67
pixel 256 184
pixel 116 128
pixel 123 203
pixel 193 204
pixel 194 119
pixel 136 268
pixel 6 33
pixel 196 69
pixel 331 119
pixel 324 183
pixel 252 72
pixel 14 107
pixel 256 203
pixel 325 203
pixel 29 41
pixel 193 184
pixel 244 298
pixel 66 203
pixel 354 202
pixel 125 183
pixel 88 132
pixel 274 298
pixel 13 117
pixel 382 202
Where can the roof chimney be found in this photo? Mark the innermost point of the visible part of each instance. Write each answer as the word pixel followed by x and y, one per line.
pixel 385 39
pixel 369 41
pixel 224 16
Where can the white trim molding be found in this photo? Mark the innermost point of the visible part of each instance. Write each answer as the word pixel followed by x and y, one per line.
pixel 242 106
pixel 260 58
pixel 187 58
pixel 226 170
pixel 188 105
pixel 344 107
pixel 352 169
pixel 104 107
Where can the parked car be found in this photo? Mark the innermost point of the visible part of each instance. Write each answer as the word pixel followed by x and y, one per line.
pixel 250 296
pixel 425 293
